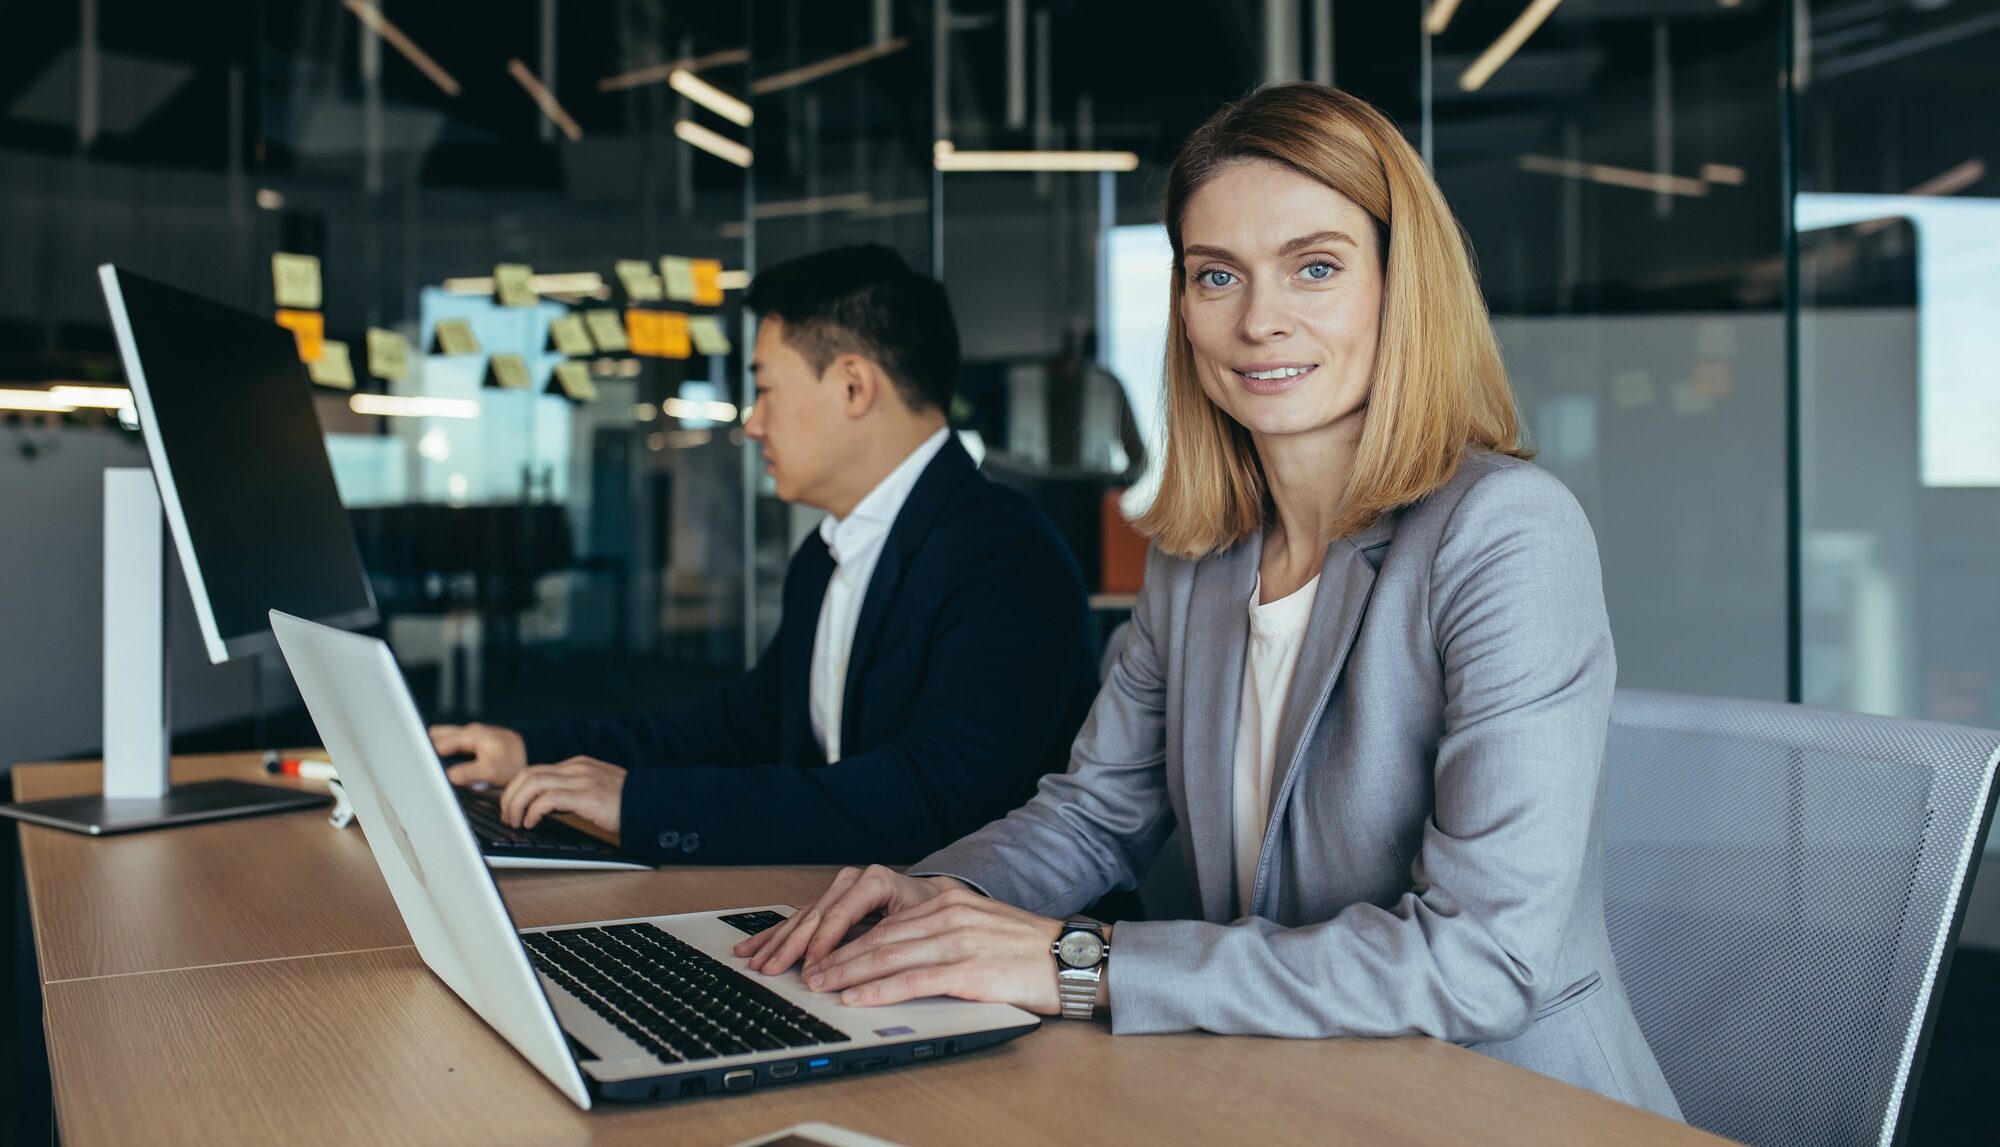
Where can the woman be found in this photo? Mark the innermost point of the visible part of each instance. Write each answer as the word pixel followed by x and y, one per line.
pixel 1370 671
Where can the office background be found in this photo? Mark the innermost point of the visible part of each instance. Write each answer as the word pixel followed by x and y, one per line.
pixel 1749 325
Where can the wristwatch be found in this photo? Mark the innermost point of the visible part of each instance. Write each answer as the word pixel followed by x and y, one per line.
pixel 1081 952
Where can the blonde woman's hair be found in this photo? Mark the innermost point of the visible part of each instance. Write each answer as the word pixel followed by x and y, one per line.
pixel 1439 385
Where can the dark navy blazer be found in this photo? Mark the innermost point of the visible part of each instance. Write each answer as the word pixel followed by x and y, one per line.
pixel 970 674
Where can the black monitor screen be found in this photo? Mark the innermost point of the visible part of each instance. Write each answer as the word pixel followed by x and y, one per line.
pixel 227 412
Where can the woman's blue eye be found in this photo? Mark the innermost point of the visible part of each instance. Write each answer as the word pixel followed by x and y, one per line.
pixel 1214 278
pixel 1320 272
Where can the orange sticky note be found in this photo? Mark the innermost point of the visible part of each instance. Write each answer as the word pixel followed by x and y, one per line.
pixel 309 328
pixel 707 282
pixel 675 339
pixel 642 331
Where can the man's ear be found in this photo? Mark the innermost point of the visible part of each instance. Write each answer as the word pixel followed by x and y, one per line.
pixel 860 382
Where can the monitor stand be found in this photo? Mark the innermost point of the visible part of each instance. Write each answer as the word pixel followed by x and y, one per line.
pixel 137 734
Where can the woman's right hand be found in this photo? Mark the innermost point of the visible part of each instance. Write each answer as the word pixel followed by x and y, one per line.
pixel 855 895
pixel 498 755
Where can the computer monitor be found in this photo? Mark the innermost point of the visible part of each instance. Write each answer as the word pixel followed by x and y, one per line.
pixel 239 467
pixel 226 409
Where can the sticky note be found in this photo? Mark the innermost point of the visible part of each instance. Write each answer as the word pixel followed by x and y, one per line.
pixel 388 354
pixel 569 335
pixel 708 335
pixel 454 336
pixel 641 285
pixel 679 276
pixel 309 328
pixel 508 371
pixel 514 284
pixel 607 329
pixel 707 282
pixel 574 379
pixel 673 334
pixel 335 367
pixel 295 280
pixel 644 331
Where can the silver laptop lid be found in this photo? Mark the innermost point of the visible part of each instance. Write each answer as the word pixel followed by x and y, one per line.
pixel 427 854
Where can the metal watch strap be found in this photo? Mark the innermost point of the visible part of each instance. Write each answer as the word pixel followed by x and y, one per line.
pixel 1076 988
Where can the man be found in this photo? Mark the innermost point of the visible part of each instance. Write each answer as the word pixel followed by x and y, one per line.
pixel 933 660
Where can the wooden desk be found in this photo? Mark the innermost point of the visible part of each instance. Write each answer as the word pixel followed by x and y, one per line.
pixel 269 887
pixel 250 982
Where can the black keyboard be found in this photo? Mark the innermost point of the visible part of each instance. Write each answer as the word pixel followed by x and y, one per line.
pixel 482 812
pixel 670 998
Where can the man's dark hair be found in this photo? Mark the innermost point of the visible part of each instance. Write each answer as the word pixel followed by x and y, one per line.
pixel 865 300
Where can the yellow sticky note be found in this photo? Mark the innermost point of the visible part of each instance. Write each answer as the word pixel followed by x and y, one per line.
pixel 454 336
pixel 388 354
pixel 641 285
pixel 514 284
pixel 574 378
pixel 674 341
pixel 606 329
pixel 509 371
pixel 644 331
pixel 335 366
pixel 309 328
pixel 708 335
pixel 707 282
pixel 569 335
pixel 295 280
pixel 679 276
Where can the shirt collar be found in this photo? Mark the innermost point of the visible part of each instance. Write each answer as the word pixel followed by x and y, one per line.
pixel 871 518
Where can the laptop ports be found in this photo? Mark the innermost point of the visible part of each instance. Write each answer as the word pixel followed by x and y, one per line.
pixel 784 1070
pixel 923 1051
pixel 819 1066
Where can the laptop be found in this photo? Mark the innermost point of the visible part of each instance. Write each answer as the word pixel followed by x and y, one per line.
pixel 616 1010
pixel 550 844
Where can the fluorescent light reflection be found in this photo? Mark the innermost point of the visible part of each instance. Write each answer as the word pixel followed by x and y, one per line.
pixel 544 99
pixel 660 73
pixel 379 24
pixel 695 408
pixel 1615 176
pixel 715 144
pixel 413 406
pixel 779 81
pixel 1503 49
pixel 1439 16
pixel 710 97
pixel 949 158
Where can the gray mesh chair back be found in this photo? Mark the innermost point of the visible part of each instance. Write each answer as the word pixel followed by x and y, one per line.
pixel 1783 886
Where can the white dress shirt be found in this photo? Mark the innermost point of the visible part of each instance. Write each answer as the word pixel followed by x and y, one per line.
pixel 1277 632
pixel 856 543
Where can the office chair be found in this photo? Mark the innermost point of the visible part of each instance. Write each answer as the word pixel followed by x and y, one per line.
pixel 1783 888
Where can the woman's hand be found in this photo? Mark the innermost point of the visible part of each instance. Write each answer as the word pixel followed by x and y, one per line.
pixel 854 895
pixel 957 944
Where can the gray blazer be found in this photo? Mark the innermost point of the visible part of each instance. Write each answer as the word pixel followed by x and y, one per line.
pixel 1432 862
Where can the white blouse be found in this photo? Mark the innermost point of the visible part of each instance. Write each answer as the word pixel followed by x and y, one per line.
pixel 1277 631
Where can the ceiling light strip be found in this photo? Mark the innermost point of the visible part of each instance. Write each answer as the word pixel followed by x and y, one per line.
pixel 1503 49
pixel 544 99
pixel 372 18
pixel 779 81
pixel 714 143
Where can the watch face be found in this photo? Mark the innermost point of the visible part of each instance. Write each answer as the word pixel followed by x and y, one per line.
pixel 1080 949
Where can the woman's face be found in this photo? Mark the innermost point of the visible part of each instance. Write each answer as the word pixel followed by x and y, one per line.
pixel 1281 300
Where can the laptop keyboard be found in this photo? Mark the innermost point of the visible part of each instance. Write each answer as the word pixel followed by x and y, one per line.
pixel 670 998
pixel 482 812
